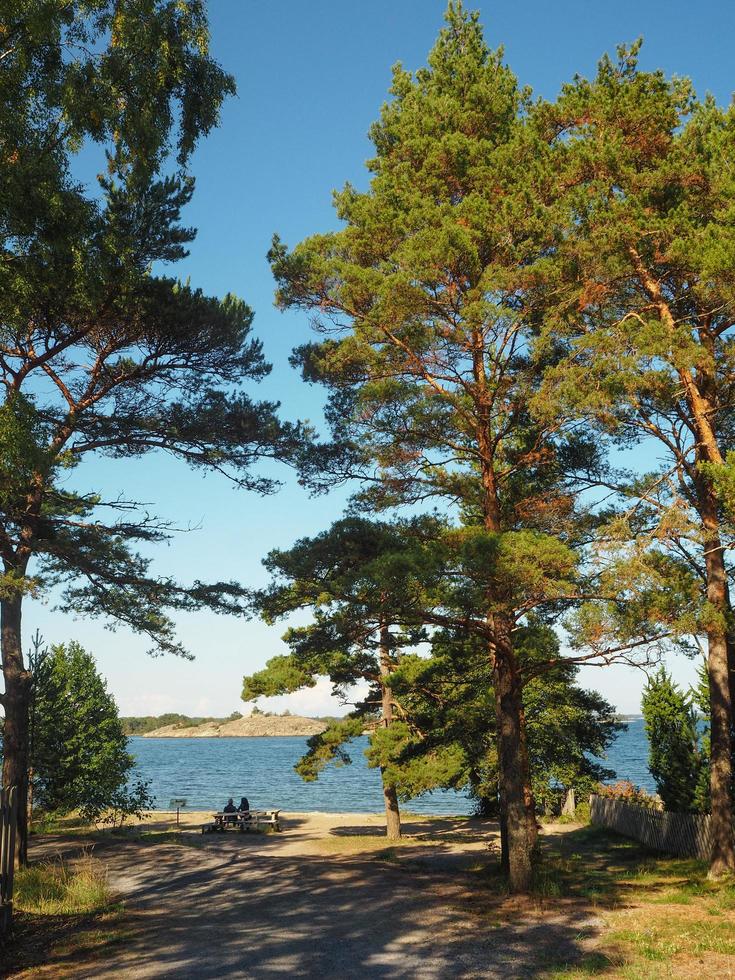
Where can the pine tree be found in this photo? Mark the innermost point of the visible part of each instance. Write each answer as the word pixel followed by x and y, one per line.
pixel 637 284
pixel 98 355
pixel 425 350
pixel 446 700
pixel 351 579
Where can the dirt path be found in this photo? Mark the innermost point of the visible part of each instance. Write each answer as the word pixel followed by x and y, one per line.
pixel 320 901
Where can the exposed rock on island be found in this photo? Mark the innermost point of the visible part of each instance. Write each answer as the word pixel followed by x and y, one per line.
pixel 251 727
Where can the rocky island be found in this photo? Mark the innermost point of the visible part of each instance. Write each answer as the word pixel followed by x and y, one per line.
pixel 252 726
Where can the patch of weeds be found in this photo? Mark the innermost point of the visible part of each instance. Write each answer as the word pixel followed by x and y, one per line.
pixel 546 880
pixel 663 936
pixel 62 913
pixel 54 823
pixel 61 888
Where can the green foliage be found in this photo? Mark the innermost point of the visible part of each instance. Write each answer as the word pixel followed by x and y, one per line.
pixel 676 755
pixel 722 476
pixel 281 675
pixel 449 701
pixel 98 354
pixel 328 747
pixel 79 753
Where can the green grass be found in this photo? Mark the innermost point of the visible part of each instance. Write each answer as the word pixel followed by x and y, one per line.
pixel 364 843
pixel 660 913
pixel 63 915
pixel 62 888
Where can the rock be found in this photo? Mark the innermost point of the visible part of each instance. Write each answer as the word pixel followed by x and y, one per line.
pixel 254 726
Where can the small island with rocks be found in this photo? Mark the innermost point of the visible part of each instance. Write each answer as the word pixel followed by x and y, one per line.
pixel 250 727
pixel 258 724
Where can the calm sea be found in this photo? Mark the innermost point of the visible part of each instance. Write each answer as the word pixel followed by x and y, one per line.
pixel 206 771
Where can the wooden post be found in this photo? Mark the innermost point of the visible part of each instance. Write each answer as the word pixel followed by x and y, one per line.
pixel 8 823
pixel 569 806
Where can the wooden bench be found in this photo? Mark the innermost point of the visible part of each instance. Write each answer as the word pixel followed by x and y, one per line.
pixel 250 819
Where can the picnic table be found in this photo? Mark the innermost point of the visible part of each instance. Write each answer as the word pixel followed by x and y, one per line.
pixel 243 820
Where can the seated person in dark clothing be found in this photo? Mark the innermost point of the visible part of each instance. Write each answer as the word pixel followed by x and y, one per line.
pixel 244 806
pixel 230 808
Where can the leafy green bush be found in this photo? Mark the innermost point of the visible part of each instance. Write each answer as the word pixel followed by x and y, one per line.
pixel 79 751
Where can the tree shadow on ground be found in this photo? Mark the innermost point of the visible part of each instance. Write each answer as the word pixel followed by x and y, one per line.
pixel 229 909
pixel 450 829
pixel 234 911
pixel 36 939
pixel 601 866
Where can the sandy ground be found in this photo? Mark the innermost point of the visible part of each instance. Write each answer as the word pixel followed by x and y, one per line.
pixel 326 898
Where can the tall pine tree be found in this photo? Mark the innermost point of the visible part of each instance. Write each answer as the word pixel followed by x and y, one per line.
pixel 637 282
pixel 99 355
pixel 425 346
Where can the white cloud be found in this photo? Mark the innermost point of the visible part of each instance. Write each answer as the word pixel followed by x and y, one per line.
pixel 146 704
pixel 310 701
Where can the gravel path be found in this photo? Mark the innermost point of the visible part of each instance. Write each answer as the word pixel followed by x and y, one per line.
pixel 253 906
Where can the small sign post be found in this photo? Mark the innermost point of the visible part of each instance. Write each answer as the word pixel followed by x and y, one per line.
pixel 179 804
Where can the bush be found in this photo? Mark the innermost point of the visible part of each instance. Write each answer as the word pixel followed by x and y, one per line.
pixel 629 793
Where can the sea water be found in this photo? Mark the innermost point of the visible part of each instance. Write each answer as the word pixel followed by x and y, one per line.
pixel 206 771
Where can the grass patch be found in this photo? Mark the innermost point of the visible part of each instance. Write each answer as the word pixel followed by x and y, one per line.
pixel 63 913
pixel 367 843
pixel 52 823
pixel 661 914
pixel 62 888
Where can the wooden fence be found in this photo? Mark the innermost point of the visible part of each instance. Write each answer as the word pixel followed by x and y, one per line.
pixel 8 822
pixel 681 834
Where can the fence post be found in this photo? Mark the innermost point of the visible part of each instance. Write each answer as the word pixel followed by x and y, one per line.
pixel 8 822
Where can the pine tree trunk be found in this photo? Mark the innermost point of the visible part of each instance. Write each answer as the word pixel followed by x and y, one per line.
pixel 701 392
pixel 390 796
pixel 719 663
pixel 16 701
pixel 518 819
pixel 504 855
pixel 721 722
pixel 392 811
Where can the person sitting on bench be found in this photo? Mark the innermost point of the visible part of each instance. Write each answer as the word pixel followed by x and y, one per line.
pixel 230 808
pixel 244 806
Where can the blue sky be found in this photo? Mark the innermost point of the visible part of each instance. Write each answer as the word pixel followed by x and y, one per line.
pixel 311 78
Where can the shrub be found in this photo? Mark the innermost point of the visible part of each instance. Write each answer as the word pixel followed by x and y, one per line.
pixel 629 793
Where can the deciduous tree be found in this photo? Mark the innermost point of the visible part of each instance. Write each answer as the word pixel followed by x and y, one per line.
pixel 80 755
